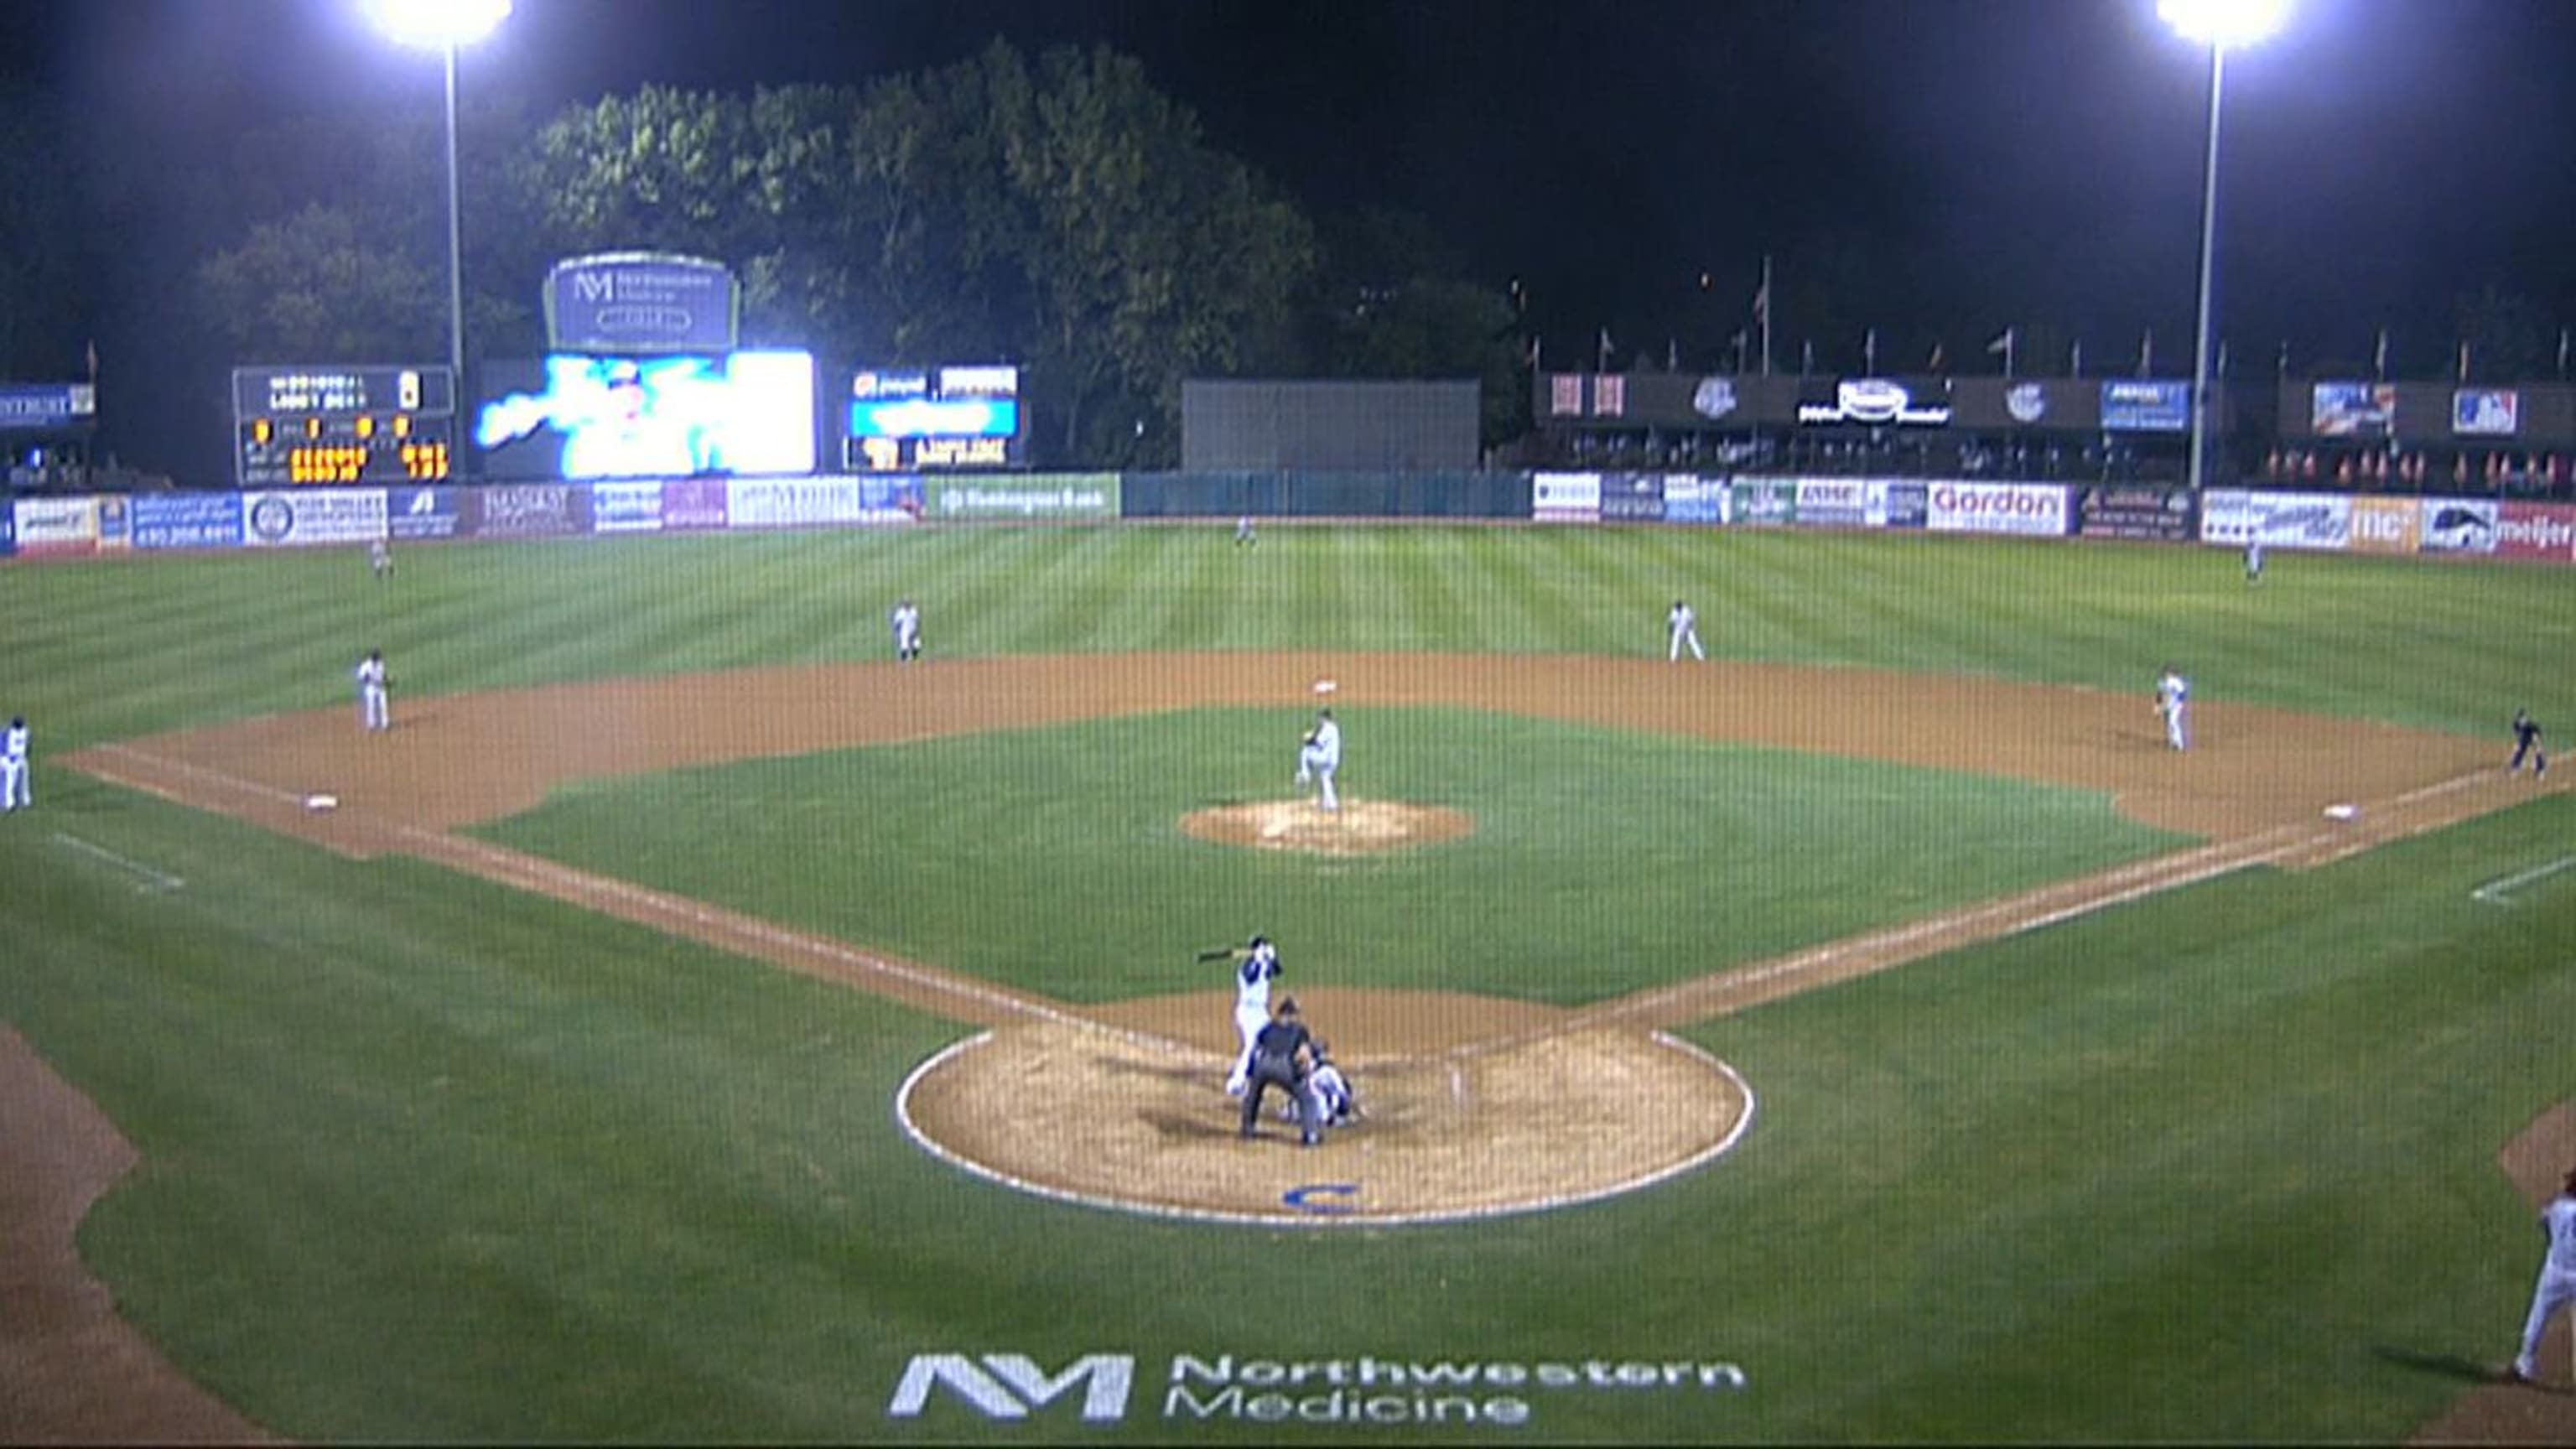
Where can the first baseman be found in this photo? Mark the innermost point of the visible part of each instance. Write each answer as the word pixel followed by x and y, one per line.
pixel 16 792
pixel 2557 1286
pixel 2173 701
pixel 380 557
pixel 375 712
pixel 1256 966
pixel 1684 627
pixel 1320 757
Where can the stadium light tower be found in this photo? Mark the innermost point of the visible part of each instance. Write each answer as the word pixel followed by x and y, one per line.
pixel 2220 25
pixel 444 25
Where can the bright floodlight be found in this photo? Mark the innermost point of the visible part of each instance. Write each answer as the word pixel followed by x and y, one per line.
pixel 2224 23
pixel 439 23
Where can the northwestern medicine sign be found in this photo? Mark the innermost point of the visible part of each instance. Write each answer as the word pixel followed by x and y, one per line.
pixel 631 302
pixel 1101 1388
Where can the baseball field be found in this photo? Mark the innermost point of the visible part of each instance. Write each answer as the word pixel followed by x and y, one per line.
pixel 689 1024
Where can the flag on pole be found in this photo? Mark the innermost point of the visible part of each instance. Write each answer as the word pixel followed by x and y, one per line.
pixel 1762 313
pixel 1869 352
pixel 2147 353
pixel 2379 357
pixel 2004 345
pixel 1604 351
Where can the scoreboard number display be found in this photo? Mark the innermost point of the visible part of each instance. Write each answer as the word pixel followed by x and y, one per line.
pixel 322 424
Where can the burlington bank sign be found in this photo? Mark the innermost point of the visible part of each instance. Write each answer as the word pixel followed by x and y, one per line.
pixel 1364 1391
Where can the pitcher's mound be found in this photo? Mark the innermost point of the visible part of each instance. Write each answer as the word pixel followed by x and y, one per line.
pixel 1360 827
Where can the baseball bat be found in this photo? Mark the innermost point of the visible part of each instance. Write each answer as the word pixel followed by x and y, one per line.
pixel 1219 954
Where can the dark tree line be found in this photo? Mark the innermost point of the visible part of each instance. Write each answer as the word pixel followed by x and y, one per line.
pixel 1057 212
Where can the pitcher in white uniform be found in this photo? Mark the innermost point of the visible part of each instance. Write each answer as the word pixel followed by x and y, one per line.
pixel 1320 757
pixel 2556 1289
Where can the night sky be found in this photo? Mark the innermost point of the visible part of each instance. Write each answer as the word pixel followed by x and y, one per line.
pixel 1944 167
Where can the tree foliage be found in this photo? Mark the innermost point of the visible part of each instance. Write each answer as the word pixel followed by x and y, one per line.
pixel 1057 212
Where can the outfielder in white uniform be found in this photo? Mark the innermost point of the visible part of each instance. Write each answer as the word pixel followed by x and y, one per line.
pixel 2173 701
pixel 380 557
pixel 1320 757
pixel 374 710
pixel 2557 1286
pixel 1684 626
pixel 1257 967
pixel 16 791
pixel 907 630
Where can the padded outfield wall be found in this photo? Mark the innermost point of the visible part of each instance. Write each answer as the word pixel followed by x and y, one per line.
pixel 2461 527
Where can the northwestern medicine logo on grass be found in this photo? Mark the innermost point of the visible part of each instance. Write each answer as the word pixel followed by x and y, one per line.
pixel 1364 1390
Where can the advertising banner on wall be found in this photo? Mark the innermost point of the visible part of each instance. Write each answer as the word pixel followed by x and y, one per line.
pixel 187 520
pixel 2486 412
pixel 822 502
pixel 1031 495
pixel 2460 525
pixel 626 507
pixel 641 302
pixel 2280 520
pixel 692 503
pixel 54 526
pixel 1902 504
pixel 2118 511
pixel 2536 530
pixel 1835 503
pixel 115 523
pixel 427 512
pixel 8 532
pixel 2352 409
pixel 309 517
pixel 2029 509
pixel 527 510
pixel 1565 497
pixel 1763 502
pixel 2385 525
pixel 1689 499
pixel 2145 405
pixel 1632 498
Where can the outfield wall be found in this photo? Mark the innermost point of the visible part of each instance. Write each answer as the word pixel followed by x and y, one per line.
pixel 90 525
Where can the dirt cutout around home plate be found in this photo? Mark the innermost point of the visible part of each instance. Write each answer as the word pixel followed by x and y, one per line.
pixel 1458 1088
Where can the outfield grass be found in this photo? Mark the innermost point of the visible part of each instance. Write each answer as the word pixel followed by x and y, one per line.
pixel 429 1159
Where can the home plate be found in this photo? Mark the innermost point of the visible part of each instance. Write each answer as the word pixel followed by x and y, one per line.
pixel 2342 812
pixel 321 802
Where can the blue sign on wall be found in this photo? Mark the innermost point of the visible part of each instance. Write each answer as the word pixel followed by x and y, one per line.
pixel 46 404
pixel 2140 406
pixel 187 520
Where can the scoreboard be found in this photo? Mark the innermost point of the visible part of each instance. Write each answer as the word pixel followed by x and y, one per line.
pixel 343 425
pixel 917 421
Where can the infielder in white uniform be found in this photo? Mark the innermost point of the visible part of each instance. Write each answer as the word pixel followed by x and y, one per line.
pixel 907 630
pixel 1684 626
pixel 374 712
pixel 2557 1286
pixel 2173 701
pixel 1255 968
pixel 1320 757
pixel 380 557
pixel 16 791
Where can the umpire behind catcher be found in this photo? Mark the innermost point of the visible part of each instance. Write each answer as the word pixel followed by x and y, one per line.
pixel 1281 1054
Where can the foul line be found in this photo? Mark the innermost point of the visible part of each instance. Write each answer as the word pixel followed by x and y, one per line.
pixel 2495 891
pixel 153 881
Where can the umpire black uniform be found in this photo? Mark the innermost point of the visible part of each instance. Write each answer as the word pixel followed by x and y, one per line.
pixel 1280 1053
